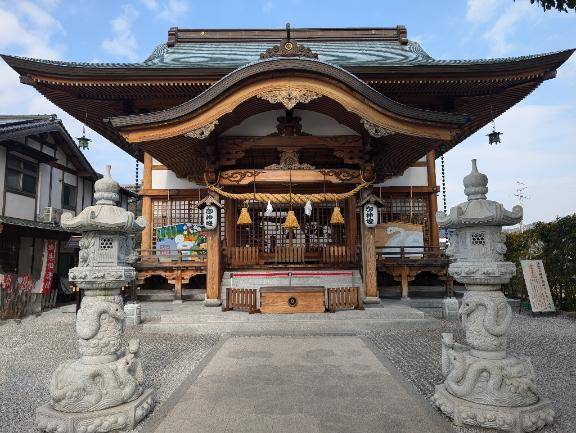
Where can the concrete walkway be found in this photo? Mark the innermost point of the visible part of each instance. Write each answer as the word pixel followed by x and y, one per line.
pixel 296 384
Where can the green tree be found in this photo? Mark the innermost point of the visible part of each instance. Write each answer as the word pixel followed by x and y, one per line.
pixel 561 5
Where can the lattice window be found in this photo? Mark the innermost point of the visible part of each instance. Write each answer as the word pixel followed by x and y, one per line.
pixel 168 212
pixel 268 232
pixel 403 208
pixel 106 243
pixel 478 238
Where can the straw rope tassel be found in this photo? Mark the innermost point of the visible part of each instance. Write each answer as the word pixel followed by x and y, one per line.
pixel 336 218
pixel 244 217
pixel 291 221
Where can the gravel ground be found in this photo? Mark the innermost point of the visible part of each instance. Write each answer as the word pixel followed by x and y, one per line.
pixel 549 341
pixel 31 350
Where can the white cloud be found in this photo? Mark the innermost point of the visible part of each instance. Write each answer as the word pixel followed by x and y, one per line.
pixel 150 4
pixel 169 10
pixel 123 43
pixel 481 11
pixel 532 151
pixel 500 34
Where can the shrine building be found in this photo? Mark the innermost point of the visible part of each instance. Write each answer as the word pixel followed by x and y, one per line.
pixel 289 170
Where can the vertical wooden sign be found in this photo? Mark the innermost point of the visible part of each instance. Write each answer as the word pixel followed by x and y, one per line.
pixel 537 286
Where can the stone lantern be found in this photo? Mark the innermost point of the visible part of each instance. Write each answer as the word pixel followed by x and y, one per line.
pixel 485 386
pixel 103 390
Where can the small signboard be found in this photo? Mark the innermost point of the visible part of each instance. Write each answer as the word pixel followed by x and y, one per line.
pixel 537 286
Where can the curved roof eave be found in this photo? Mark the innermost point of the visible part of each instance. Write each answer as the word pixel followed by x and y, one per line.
pixel 140 69
pixel 283 65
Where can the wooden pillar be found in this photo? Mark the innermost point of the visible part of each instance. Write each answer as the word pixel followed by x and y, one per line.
pixel 146 242
pixel 178 286
pixel 351 225
pixel 433 202
pixel 214 270
pixel 369 262
pixel 404 283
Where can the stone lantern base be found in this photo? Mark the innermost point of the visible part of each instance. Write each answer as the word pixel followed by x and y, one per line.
pixel 125 416
pixel 512 419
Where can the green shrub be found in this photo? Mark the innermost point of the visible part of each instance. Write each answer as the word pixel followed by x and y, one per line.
pixel 555 244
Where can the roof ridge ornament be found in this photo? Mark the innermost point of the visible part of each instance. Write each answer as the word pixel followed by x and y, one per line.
pixel 288 48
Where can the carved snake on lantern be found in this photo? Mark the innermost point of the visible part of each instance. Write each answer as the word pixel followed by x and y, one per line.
pixel 121 379
pixel 491 315
pixel 463 378
pixel 88 320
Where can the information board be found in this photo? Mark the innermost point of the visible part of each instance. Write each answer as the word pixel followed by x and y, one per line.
pixel 537 286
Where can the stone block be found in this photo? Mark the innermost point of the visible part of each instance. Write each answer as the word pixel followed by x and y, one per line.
pixel 450 308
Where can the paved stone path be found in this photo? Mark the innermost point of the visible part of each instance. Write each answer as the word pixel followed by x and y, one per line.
pixel 297 384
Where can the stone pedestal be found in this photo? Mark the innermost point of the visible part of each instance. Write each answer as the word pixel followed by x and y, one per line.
pixel 103 389
pixel 485 385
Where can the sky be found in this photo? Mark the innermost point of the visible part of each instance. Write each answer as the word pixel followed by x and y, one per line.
pixel 539 134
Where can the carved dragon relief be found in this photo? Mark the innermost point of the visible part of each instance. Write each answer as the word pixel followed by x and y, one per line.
pixel 289 97
pixel 375 130
pixel 202 132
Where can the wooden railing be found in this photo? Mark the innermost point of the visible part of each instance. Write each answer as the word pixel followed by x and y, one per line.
pixel 410 252
pixel 241 300
pixel 170 257
pixel 243 256
pixel 343 298
pixel 289 255
pixel 338 254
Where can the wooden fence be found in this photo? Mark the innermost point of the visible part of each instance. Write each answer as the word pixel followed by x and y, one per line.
pixel 289 255
pixel 344 298
pixel 16 303
pixel 338 254
pixel 243 256
pixel 241 300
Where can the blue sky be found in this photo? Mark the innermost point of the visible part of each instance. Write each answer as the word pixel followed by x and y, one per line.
pixel 539 134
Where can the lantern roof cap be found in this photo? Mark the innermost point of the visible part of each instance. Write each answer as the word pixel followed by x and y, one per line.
pixel 478 211
pixel 372 199
pixel 104 216
pixel 475 184
pixel 209 201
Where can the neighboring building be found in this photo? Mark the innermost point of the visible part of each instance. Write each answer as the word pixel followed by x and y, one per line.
pixel 42 174
pixel 243 113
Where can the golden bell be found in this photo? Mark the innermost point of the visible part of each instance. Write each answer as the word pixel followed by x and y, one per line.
pixel 291 221
pixel 336 217
pixel 244 217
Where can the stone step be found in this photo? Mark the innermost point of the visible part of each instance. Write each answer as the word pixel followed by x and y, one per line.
pixel 282 327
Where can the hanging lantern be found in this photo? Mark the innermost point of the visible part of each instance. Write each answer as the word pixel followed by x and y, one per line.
pixel 336 218
pixel 269 209
pixel 370 215
pixel 83 142
pixel 494 137
pixel 291 221
pixel 210 217
pixel 244 217
pixel 308 208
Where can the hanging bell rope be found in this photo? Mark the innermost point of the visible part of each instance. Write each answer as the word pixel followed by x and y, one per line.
pixel 285 198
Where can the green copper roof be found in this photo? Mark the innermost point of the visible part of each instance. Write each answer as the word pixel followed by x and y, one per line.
pixel 231 55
